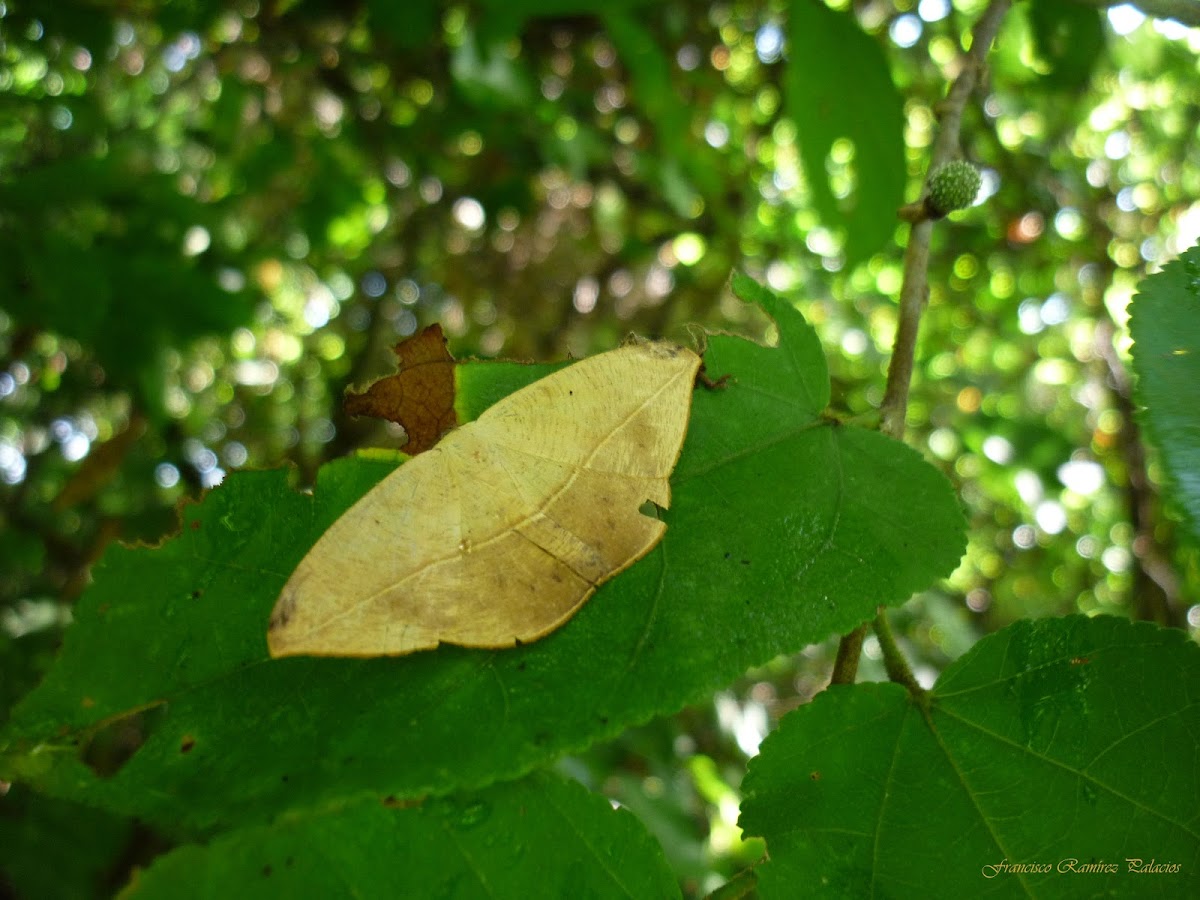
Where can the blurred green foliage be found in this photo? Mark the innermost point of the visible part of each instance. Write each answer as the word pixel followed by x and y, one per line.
pixel 214 216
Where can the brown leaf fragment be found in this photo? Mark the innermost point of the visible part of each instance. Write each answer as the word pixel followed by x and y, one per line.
pixel 419 397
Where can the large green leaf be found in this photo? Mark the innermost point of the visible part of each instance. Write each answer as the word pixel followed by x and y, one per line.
pixel 838 86
pixel 541 837
pixel 54 849
pixel 1069 37
pixel 784 528
pixel 1053 743
pixel 1165 323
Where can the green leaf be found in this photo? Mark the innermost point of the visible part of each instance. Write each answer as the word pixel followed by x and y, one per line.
pixel 838 86
pixel 784 528
pixel 541 837
pixel 1165 324
pixel 87 26
pixel 1051 741
pixel 1069 37
pixel 487 76
pixel 23 662
pixel 51 849
pixel 412 25
pixel 655 93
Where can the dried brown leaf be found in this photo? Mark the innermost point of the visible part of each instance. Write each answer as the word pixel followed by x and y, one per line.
pixel 419 397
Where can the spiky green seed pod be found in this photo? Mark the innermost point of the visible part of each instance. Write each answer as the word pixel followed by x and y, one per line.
pixel 952 186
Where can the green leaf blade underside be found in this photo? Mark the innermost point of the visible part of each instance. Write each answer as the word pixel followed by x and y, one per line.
pixel 540 837
pixel 1051 741
pixel 783 528
pixel 837 85
pixel 1165 324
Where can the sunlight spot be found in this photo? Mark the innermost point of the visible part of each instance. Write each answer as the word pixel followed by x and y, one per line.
pixel 1083 476
pixel 1116 559
pixel 854 342
pixel 469 213
pixel 12 463
pixel 76 447
pixel 1029 316
pixel 1024 536
pixel 716 134
pixel 374 283
pixel 688 57
pixel 998 449
pixel 689 248
pixel 587 292
pixel 1125 18
pixel 1116 145
pixel 196 240
pixel 933 10
pixel 1050 517
pixel 768 43
pixel 905 30
pixel 166 475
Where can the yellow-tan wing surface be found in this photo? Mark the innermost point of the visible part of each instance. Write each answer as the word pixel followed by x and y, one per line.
pixel 506 527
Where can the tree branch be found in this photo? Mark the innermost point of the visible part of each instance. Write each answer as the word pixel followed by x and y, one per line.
pixel 913 294
pixel 915 287
pixel 845 667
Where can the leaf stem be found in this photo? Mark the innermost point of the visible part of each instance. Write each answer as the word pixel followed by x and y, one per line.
pixel 893 659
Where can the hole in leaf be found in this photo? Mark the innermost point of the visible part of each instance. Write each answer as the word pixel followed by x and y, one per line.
pixel 112 743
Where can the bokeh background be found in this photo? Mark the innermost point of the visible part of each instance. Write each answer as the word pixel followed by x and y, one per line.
pixel 216 216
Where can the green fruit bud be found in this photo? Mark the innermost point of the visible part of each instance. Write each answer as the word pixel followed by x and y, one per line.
pixel 952 186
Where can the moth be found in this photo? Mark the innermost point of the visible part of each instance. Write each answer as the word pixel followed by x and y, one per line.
pixel 505 528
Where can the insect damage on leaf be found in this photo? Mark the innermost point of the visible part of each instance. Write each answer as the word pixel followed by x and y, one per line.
pixel 419 397
pixel 504 529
